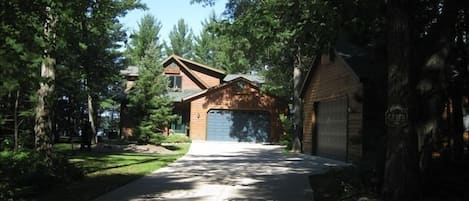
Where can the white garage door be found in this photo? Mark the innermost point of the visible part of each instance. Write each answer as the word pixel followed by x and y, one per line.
pixel 331 127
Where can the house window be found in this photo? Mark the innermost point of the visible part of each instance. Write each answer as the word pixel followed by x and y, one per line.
pixel 177 126
pixel 175 82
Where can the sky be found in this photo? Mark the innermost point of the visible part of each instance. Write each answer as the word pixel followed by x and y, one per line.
pixel 170 11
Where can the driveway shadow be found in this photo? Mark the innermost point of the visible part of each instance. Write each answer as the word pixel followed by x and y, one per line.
pixel 231 171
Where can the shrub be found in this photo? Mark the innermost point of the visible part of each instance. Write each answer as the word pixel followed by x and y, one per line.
pixel 26 172
pixel 157 139
pixel 6 143
pixel 177 138
pixel 286 136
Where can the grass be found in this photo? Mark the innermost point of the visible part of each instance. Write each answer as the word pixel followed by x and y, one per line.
pixel 66 147
pixel 107 171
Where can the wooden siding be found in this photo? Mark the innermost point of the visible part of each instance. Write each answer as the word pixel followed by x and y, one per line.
pixel 209 80
pixel 187 82
pixel 172 70
pixel 332 80
pixel 228 98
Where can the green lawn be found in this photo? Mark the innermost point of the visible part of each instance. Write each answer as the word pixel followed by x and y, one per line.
pixel 107 171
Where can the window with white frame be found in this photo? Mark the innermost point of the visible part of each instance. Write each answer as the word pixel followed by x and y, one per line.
pixel 175 82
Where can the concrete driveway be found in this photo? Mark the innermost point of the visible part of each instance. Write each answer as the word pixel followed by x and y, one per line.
pixel 228 171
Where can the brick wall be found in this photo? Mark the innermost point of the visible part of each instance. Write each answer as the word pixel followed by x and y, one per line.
pixel 329 81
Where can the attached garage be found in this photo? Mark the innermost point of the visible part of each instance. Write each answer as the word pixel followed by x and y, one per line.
pixel 238 125
pixel 235 111
pixel 343 105
pixel 331 128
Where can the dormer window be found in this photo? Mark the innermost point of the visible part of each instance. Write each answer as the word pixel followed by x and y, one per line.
pixel 175 82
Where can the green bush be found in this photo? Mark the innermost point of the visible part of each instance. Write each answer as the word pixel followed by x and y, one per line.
pixel 156 139
pixel 26 172
pixel 286 136
pixel 145 135
pixel 177 138
pixel 6 143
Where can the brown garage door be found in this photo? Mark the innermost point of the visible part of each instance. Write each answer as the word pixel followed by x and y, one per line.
pixel 331 127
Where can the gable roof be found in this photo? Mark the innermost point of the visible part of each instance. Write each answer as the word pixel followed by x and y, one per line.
pixel 188 66
pixel 219 87
pixel 178 96
pixel 187 61
pixel 353 58
pixel 251 77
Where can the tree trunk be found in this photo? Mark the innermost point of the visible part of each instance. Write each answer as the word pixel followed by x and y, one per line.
pixel 15 119
pixel 43 125
pixel 401 163
pixel 432 104
pixel 296 142
pixel 457 125
pixel 91 119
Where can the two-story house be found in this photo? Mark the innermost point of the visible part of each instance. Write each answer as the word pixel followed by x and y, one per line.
pixel 216 106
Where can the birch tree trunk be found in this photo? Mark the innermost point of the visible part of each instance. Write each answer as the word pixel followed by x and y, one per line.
pixel 43 125
pixel 401 165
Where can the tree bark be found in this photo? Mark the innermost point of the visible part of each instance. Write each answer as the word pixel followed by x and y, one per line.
pixel 456 124
pixel 401 181
pixel 43 125
pixel 15 119
pixel 91 119
pixel 296 142
pixel 432 103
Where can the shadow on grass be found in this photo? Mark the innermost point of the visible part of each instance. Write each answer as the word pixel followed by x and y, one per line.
pixel 105 172
pixel 172 147
pixel 88 188
pixel 164 160
pixel 97 161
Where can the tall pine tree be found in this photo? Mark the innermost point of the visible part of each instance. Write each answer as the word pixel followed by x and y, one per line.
pixel 181 41
pixel 149 104
pixel 148 32
pixel 217 49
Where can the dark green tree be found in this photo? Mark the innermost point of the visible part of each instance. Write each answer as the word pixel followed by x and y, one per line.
pixel 217 49
pixel 149 104
pixel 20 57
pixel 75 40
pixel 282 36
pixel 148 32
pixel 181 41
pixel 206 44
pixel 89 62
pixel 422 44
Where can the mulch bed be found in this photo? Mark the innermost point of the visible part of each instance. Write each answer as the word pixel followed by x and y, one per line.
pixel 148 148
